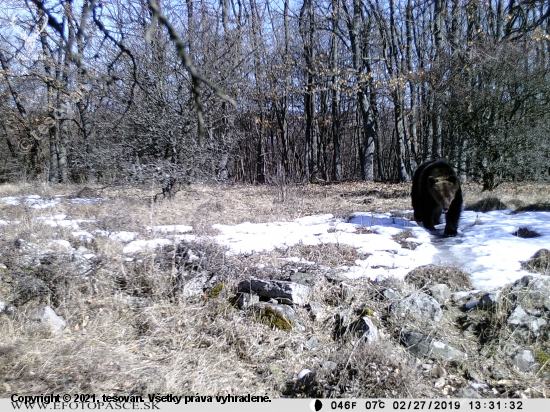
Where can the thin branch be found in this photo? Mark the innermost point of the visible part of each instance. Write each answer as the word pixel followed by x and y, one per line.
pixel 196 78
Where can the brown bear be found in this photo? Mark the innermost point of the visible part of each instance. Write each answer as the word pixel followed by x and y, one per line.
pixel 436 188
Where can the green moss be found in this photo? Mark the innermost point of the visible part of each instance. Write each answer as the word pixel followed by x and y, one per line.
pixel 273 319
pixel 214 293
pixel 367 312
pixel 543 359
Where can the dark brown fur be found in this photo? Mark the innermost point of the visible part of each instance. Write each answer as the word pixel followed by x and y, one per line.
pixel 436 189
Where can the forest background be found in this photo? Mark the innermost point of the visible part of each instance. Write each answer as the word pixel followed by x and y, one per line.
pixel 256 91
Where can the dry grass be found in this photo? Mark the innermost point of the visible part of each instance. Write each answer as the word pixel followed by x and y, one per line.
pixel 129 331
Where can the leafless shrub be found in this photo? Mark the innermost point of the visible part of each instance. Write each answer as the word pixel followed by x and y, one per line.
pixel 402 237
pixel 366 370
pixel 486 205
pixel 456 279
pixel 539 262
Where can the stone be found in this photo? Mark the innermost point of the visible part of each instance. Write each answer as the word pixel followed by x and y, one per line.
pixel 392 294
pixel 539 262
pixel 276 315
pixel 245 300
pixel 490 299
pixel 282 291
pixel 525 361
pixel 343 318
pixel 440 292
pixel 330 365
pixel 419 305
pixel 312 343
pixel 468 392
pixel 308 279
pixel 420 345
pixel 472 304
pixel 34 256
pixel 520 319
pixel 440 383
pixel 315 310
pixel 49 319
pixel 80 265
pixel 195 286
pixel 367 329
pixel 531 289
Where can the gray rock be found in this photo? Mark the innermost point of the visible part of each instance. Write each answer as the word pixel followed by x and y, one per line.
pixel 525 361
pixel 392 294
pixel 534 312
pixel 440 292
pixel 312 343
pixel 80 265
pixel 308 279
pixel 440 383
pixel 532 289
pixel 370 331
pixel 419 305
pixel 478 386
pixel 346 291
pixel 195 286
pixel 315 309
pixel 421 345
pixel 33 256
pixel 330 365
pixel 343 318
pixel 468 392
pixel 135 301
pixel 247 299
pixel 284 311
pixel 49 319
pixel 458 297
pixel 490 299
pixel 283 291
pixel 520 319
pixel 472 304
pixel 2 306
pixel 498 372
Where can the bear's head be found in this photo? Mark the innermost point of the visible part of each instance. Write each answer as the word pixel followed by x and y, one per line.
pixel 443 190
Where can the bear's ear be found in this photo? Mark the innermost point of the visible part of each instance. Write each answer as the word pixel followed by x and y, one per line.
pixel 452 179
pixel 431 181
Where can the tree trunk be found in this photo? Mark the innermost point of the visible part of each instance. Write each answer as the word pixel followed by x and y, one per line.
pixel 307 29
pixel 335 103
pixel 31 146
pixel 366 143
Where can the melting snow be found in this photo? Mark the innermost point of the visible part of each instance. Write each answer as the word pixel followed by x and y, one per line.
pixel 34 201
pixel 169 228
pixel 61 221
pixel 141 245
pixel 485 246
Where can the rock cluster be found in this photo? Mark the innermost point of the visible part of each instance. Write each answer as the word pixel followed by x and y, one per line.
pixel 437 322
pixel 433 316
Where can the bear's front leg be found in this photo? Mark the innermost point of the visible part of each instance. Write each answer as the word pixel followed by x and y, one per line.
pixel 450 231
pixel 453 215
